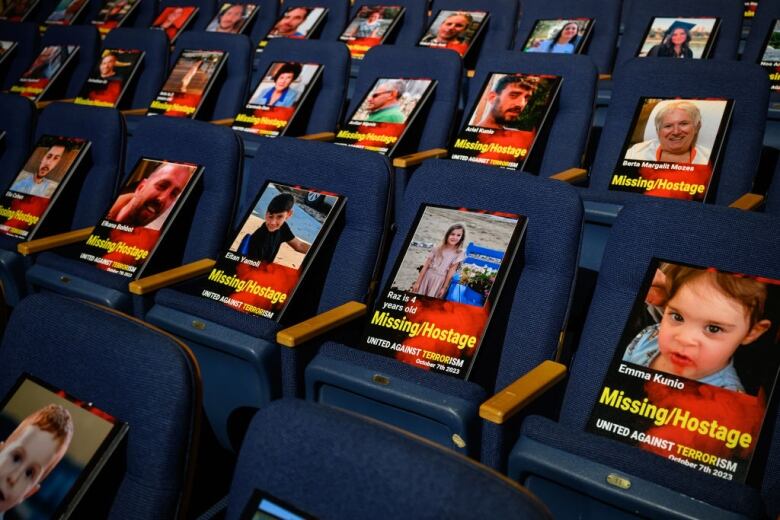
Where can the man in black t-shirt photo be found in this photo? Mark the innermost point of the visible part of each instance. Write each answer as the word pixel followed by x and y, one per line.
pixel 264 243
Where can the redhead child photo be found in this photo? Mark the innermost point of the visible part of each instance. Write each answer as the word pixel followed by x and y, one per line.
pixel 706 317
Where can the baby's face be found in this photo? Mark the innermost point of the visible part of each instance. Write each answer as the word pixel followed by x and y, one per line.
pixel 23 462
pixel 700 330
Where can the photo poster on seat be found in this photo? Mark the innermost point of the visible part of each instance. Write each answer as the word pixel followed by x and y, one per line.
pixel 673 147
pixel 126 238
pixel 385 114
pixel 300 23
pixel 174 19
pixel 232 18
pixel 47 66
pixel 770 58
pixel 26 202
pixel 264 506
pixel 110 78
pixel 18 10
pixel 750 9
pixel 275 245
pixel 695 368
pixel 59 442
pixel 281 93
pixel 189 83
pixel 691 38
pixel 6 48
pixel 444 286
pixel 66 12
pixel 113 14
pixel 370 27
pixel 506 120
pixel 455 30
pixel 559 36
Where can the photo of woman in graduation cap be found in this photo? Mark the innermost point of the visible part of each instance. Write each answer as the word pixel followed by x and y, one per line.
pixel 675 43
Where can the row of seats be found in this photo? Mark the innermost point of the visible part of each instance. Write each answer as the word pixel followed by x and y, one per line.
pixel 245 351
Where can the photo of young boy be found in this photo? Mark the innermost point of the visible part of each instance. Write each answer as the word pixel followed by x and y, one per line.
pixel 706 316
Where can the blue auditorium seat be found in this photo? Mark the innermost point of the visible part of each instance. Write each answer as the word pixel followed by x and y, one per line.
pixel 88 40
pixel 18 123
pixel 128 369
pixel 264 20
pixel 444 408
pixel 578 473
pixel 215 148
pixel 25 34
pixel 229 95
pixel 358 468
pixel 745 83
pixel 606 23
pixel 154 67
pixel 207 10
pixel 242 348
pixel 105 130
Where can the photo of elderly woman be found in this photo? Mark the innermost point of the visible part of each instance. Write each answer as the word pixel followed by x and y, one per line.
pixel 558 36
pixel 679 38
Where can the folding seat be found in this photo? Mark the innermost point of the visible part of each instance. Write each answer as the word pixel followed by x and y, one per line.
pixel 336 20
pixel 346 475
pixel 207 10
pixel 264 20
pixel 105 130
pixel 326 101
pixel 88 40
pixel 641 14
pixel 527 322
pixel 239 348
pixel 606 23
pixel 25 34
pixel 745 83
pixel 215 148
pixel 501 27
pixel 18 123
pixel 576 472
pixel 129 370
pixel 433 125
pixel 154 67
pixel 773 194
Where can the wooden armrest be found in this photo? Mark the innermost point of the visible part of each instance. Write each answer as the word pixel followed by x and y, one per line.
pixel 413 159
pixel 134 112
pixel 605 77
pixel 43 104
pixel 322 136
pixel 151 283
pixel 571 175
pixel 499 408
pixel 54 241
pixel 328 320
pixel 228 121
pixel 748 201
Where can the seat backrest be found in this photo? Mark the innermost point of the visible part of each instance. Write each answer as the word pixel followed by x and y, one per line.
pixel 154 67
pixel 68 349
pixel 264 20
pixel 747 84
pixel 26 37
pixel 606 23
pixel 412 62
pixel 334 479
pixel 144 14
pixel 207 10
pixel 328 98
pixel 773 193
pixel 540 302
pixel 642 13
pixel 570 122
pixel 88 40
pixel 501 27
pixel 695 234
pixel 760 26
pixel 219 151
pixel 231 92
pixel 336 20
pixel 411 26
pixel 364 179
pixel 18 123
pixel 105 129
